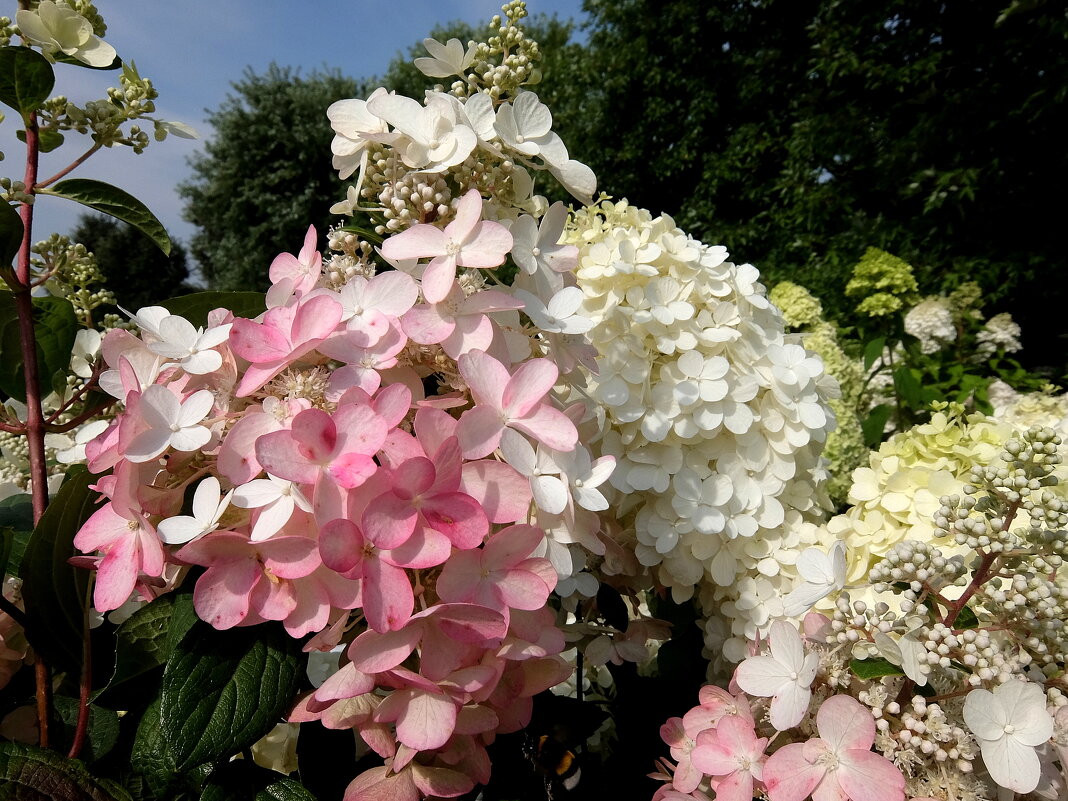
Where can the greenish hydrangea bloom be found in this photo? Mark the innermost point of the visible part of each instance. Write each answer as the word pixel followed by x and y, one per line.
pixel 799 307
pixel 884 283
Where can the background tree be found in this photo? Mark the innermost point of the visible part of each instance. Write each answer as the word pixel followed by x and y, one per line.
pixel 135 269
pixel 800 132
pixel 265 174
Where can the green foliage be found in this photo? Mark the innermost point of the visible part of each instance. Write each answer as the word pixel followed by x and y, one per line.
pixel 195 307
pixel 36 774
pixel 223 690
pixel 26 79
pixel 266 174
pixel 135 270
pixel 56 325
pixel 874 668
pixel 103 729
pixel 11 231
pixel 801 132
pixel 245 781
pixel 115 202
pixel 55 591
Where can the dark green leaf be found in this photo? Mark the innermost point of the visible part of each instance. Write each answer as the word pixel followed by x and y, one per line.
pixel 7 542
pixel 56 327
pixel 150 755
pixel 11 231
pixel 48 139
pixel 874 667
pixel 16 514
pixel 872 351
pixel 56 592
pixel 908 388
pixel 111 200
pixel 246 781
pixel 26 78
pixel 36 774
pixel 103 728
pixel 223 690
pixel 966 619
pixel 144 641
pixel 195 307
pixel 874 424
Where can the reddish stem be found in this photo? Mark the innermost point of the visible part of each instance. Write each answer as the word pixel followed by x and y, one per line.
pixel 81 730
pixel 69 168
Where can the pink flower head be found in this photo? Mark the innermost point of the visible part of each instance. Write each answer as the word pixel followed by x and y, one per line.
pixel 340 446
pixel 467 241
pixel 286 334
pixel 500 575
pixel 839 765
pixel 733 754
pixel 458 322
pixel 295 275
pixel 517 401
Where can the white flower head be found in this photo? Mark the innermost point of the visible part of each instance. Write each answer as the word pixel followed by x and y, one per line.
pixel 276 498
pixel 822 573
pixel 59 28
pixel 208 508
pixel 446 59
pixel 785 676
pixel 1009 724
pixel 193 348
pixel 172 423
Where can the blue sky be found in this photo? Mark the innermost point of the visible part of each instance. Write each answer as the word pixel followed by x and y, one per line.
pixel 193 49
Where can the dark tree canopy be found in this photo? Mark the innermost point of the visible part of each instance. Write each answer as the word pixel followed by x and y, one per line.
pixel 134 268
pixel 800 132
pixel 265 175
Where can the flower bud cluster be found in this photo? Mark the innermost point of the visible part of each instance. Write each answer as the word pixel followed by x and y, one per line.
pixel 71 272
pixel 14 191
pixel 505 61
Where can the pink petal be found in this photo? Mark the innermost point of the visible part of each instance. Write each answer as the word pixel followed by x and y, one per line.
pixel 237 456
pixel 549 426
pixel 479 431
pixel 315 435
pixel 867 776
pixel 438 278
pixel 413 477
pixel 510 546
pixel 789 776
pixel 502 492
pixel 316 319
pixel 417 242
pixel 341 545
pixel 459 517
pixel 427 325
pixel 117 574
pixel 426 722
pixel 460 576
pixel 845 723
pixel 425 548
pixel 258 343
pixel 527 386
pixel 388 599
pixel 389 521
pixel 468 213
pixel 350 470
pixel 440 782
pixel 281 454
pixel 433 427
pixel 519 589
pixel 290 557
pixel 374 652
pixel 488 248
pixel 381 784
pixel 486 377
pixel 738 786
pixel 221 595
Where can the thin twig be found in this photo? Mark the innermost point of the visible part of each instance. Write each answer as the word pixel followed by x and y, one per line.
pixel 68 169
pixel 81 729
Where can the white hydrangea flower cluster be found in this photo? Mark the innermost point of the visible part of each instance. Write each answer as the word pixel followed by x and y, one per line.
pixel 413 161
pixel 1026 409
pixel 931 322
pixel 715 416
pixel 1000 333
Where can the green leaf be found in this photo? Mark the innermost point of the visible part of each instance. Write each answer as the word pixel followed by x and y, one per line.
pixel 56 327
pixel 874 424
pixel 26 79
pixel 195 307
pixel 103 727
pixel 872 351
pixel 55 592
pixel 966 619
pixel 36 774
pixel 48 139
pixel 7 542
pixel 908 388
pixel 11 232
pixel 150 755
pixel 111 200
pixel 16 515
pixel 63 58
pixel 224 690
pixel 144 641
pixel 874 667
pixel 246 781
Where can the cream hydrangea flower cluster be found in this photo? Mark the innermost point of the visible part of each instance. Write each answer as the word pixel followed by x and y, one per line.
pixel 845 450
pixel 896 496
pixel 715 415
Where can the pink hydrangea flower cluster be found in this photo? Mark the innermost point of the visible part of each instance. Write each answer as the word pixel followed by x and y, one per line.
pixel 758 737
pixel 329 491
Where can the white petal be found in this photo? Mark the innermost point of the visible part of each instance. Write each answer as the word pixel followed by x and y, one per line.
pixel 789 706
pixel 177 530
pixel 272 518
pixel 206 499
pixel 190 439
pixel 256 493
pixel 762 675
pixel 195 408
pixel 1011 764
